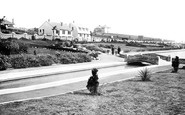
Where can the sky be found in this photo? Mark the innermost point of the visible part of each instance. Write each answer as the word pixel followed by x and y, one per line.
pixel 163 19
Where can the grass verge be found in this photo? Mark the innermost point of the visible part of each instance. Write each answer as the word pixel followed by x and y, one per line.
pixel 164 94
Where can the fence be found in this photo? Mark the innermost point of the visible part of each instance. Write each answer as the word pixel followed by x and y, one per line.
pixel 14 35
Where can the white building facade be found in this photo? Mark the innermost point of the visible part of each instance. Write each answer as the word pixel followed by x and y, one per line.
pixel 80 33
pixel 55 30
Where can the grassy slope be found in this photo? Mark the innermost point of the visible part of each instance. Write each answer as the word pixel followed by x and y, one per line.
pixel 164 94
pixel 122 46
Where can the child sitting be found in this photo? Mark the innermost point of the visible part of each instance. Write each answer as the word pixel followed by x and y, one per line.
pixel 92 84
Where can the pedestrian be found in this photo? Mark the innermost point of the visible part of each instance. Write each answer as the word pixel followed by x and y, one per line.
pixel 119 50
pixel 175 64
pixel 34 52
pixel 92 84
pixel 112 50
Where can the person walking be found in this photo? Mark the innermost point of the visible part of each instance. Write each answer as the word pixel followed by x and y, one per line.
pixel 119 50
pixel 175 64
pixel 92 84
pixel 112 50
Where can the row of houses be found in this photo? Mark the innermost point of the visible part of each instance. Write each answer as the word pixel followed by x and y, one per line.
pixel 71 31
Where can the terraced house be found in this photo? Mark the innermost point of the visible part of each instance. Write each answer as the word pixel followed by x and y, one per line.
pixel 80 33
pixel 54 30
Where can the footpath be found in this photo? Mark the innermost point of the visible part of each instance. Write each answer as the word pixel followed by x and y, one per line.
pixel 105 60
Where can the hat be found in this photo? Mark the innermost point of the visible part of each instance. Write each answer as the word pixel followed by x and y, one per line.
pixel 94 70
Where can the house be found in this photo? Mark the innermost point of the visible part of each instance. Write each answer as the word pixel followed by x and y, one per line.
pixel 54 30
pixel 6 26
pixel 80 33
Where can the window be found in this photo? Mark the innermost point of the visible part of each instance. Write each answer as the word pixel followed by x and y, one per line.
pixel 69 32
pixel 63 31
pixel 79 28
pixel 40 30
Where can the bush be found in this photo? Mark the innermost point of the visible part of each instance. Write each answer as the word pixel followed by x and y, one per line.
pixel 12 47
pixel 145 75
pixel 44 60
pixel 93 47
pixel 10 38
pixel 4 62
pixel 18 61
pixel 32 61
pixel 23 38
pixel 52 58
pixel 126 51
pixel 23 48
pixel 84 57
pixel 67 58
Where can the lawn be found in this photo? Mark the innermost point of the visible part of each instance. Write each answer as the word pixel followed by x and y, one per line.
pixel 123 46
pixel 127 49
pixel 163 95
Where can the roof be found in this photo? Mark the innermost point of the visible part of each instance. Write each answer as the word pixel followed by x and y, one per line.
pixel 6 22
pixel 60 26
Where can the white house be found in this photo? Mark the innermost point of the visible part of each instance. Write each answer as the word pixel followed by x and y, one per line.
pixel 80 33
pixel 56 30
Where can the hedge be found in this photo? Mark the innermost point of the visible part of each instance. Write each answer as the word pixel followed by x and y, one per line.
pixel 4 62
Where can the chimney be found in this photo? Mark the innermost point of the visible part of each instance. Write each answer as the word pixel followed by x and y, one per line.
pixel 61 24
pixel 13 21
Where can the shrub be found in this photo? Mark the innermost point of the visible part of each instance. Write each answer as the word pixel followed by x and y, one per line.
pixel 145 75
pixel 44 60
pixel 23 48
pixel 4 62
pixel 126 51
pixel 18 61
pixel 23 38
pixel 93 47
pixel 32 61
pixel 67 58
pixel 94 54
pixel 12 47
pixel 10 38
pixel 84 57
pixel 53 58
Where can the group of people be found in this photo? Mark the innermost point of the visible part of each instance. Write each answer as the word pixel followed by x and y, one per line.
pixel 118 50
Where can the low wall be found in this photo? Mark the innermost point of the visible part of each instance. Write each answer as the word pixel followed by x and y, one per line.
pixel 18 36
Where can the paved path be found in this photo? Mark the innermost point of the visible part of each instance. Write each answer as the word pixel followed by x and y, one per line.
pixel 104 61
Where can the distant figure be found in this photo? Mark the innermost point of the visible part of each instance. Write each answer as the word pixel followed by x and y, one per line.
pixel 92 84
pixel 112 50
pixel 119 50
pixel 35 53
pixel 175 64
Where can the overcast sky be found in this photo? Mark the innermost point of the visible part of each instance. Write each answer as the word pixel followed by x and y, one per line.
pixel 152 18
